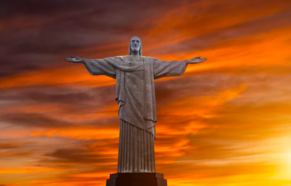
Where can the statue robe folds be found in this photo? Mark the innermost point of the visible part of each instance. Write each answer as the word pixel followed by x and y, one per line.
pixel 135 94
pixel 135 90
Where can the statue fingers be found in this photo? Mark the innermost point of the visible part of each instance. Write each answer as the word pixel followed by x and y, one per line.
pixel 195 58
pixel 75 60
pixel 76 57
pixel 203 59
pixel 69 59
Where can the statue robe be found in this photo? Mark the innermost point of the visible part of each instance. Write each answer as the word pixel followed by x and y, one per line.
pixel 135 94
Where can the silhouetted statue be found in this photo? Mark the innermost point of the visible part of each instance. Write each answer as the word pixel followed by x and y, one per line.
pixel 135 95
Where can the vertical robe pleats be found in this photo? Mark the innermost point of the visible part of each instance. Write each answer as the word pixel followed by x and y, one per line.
pixel 136 149
pixel 119 147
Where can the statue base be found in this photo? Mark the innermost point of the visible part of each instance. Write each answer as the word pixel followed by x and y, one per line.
pixel 136 179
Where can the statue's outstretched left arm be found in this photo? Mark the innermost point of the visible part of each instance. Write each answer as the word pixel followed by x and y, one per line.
pixel 173 68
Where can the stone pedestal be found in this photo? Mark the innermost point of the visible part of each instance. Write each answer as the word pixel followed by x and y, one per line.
pixel 136 179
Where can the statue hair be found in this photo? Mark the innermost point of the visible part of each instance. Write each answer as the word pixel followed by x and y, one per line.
pixel 129 49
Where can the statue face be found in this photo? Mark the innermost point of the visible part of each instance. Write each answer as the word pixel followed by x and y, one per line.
pixel 135 44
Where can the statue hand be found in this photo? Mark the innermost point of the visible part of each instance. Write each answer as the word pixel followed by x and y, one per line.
pixel 74 59
pixel 196 60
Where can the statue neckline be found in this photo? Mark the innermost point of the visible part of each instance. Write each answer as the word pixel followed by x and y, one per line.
pixel 134 56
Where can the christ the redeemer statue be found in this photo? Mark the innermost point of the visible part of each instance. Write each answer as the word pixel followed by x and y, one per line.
pixel 135 95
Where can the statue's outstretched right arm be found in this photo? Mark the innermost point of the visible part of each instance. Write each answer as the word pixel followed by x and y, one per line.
pixel 196 60
pixel 95 66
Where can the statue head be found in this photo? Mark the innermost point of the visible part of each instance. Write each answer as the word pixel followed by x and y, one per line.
pixel 135 46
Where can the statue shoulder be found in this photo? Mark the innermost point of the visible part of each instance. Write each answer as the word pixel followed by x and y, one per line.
pixel 149 59
pixel 117 58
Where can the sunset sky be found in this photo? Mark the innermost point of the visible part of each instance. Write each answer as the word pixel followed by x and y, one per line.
pixel 225 122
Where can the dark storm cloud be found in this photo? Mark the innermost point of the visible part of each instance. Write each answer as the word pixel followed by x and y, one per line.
pixel 88 151
pixel 97 96
pixel 79 156
pixel 55 95
pixel 13 149
pixel 11 145
pixel 36 34
pixel 13 153
pixel 78 102
pixel 34 120
pixel 67 101
pixel 42 8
